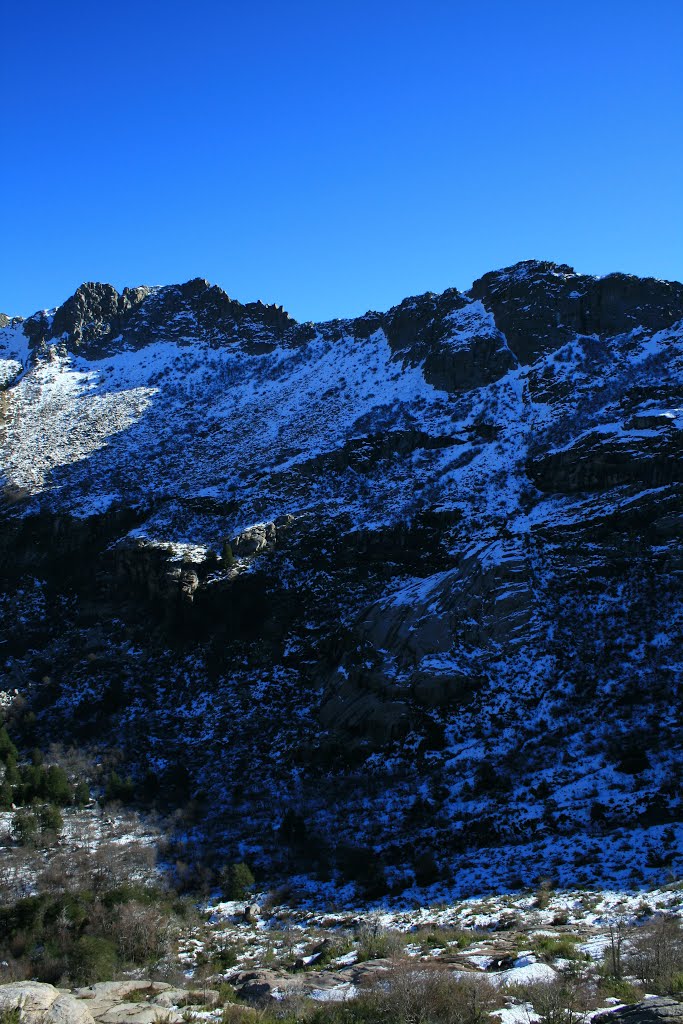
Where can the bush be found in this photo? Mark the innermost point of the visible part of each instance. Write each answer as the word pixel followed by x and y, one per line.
pixel 142 933
pixel 552 947
pixel 376 942
pixel 25 828
pixel 438 937
pixel 562 1001
pixel 7 749
pixel 50 819
pixel 224 956
pixel 238 881
pixel 92 959
pixel 655 955
pixel 82 794
pixel 410 995
pixel 36 782
pixel 119 789
pixel 426 869
pixel 616 988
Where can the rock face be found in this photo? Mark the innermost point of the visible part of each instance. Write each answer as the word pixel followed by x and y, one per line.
pixel 96 320
pixel 409 582
pixel 541 306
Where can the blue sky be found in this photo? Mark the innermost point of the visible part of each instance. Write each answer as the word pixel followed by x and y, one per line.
pixel 335 157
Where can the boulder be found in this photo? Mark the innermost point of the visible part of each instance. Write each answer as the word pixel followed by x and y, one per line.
pixel 251 913
pixel 657 1010
pixel 254 540
pixel 43 1004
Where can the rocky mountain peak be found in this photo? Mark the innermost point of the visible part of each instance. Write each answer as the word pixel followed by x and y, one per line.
pixel 539 306
pixel 96 320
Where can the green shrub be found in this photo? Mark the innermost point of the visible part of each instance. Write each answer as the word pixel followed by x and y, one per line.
pixel 226 993
pixel 238 881
pixel 58 790
pixel 141 995
pixel 119 789
pixel 224 956
pixel 82 794
pixel 92 959
pixel 542 898
pixel 7 749
pixel 25 828
pixel 620 989
pixel 50 819
pixel 438 937
pixel 552 947
pixel 36 782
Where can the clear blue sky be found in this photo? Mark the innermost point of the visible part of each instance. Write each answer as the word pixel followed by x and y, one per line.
pixel 335 156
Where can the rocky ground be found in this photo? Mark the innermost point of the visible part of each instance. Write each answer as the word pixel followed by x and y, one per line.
pixel 280 959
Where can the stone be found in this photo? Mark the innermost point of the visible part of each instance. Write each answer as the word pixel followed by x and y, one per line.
pixel 138 1013
pixel 252 913
pixel 658 1010
pixel 43 1004
pixel 184 997
pixel 255 540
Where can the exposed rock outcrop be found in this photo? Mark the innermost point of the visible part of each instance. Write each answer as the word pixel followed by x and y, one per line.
pixel 657 1010
pixel 43 1004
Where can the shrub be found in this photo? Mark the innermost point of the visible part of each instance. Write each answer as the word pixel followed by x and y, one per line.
pixel 142 933
pixel 36 782
pixel 50 819
pixel 82 794
pixel 562 1001
pixel 119 789
pixel 543 893
pixel 7 749
pixel 376 942
pixel 551 947
pixel 92 959
pixel 25 828
pixel 655 955
pixel 426 869
pixel 436 936
pixel 57 788
pixel 617 988
pixel 224 956
pixel 409 995
pixel 238 881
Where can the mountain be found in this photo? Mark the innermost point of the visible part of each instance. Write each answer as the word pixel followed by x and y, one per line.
pixel 394 600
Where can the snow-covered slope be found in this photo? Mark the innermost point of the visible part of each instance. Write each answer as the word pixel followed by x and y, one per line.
pixel 449 616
